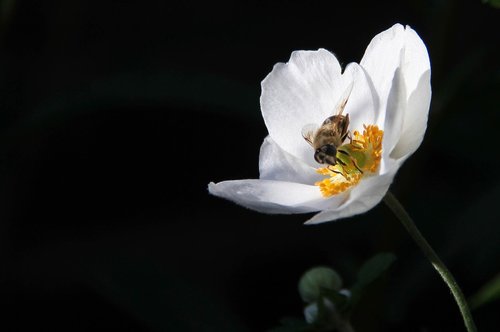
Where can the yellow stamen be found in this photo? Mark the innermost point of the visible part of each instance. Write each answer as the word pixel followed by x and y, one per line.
pixel 360 157
pixel 337 184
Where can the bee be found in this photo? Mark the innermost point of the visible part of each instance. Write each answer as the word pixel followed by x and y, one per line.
pixel 330 135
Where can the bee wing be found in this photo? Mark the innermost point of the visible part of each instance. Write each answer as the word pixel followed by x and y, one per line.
pixel 308 132
pixel 339 108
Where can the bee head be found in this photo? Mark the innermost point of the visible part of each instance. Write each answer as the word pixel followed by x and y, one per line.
pixel 326 154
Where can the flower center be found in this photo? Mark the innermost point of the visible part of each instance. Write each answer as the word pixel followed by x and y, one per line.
pixel 360 157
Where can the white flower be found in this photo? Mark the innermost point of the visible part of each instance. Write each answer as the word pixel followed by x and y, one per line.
pixel 388 103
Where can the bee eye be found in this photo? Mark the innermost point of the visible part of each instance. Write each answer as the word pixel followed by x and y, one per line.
pixel 328 149
pixel 319 156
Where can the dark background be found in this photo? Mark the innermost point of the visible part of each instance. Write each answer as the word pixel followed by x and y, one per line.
pixel 115 115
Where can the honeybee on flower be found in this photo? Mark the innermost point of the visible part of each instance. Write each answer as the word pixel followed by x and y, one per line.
pixel 371 117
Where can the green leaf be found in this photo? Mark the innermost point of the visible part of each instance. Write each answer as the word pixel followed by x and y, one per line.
pixel 374 267
pixel 369 272
pixel 488 293
pixel 493 3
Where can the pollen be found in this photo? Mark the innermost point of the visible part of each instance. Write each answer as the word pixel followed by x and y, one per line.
pixel 370 142
pixel 356 159
pixel 337 183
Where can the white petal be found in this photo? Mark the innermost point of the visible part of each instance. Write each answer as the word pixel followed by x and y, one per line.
pixel 311 313
pixel 398 64
pixel 415 120
pixel 368 193
pixel 387 164
pixel 363 105
pixel 381 59
pixel 416 60
pixel 417 76
pixel 311 310
pixel 270 196
pixel 302 91
pixel 277 164
pixel 395 110
pixel 306 90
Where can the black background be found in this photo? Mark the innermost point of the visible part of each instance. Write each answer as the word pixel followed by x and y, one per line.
pixel 115 115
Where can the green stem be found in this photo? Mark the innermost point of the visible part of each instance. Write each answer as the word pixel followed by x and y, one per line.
pixel 408 223
pixel 341 324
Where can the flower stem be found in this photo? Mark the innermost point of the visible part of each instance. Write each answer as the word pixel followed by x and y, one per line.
pixel 341 324
pixel 410 226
